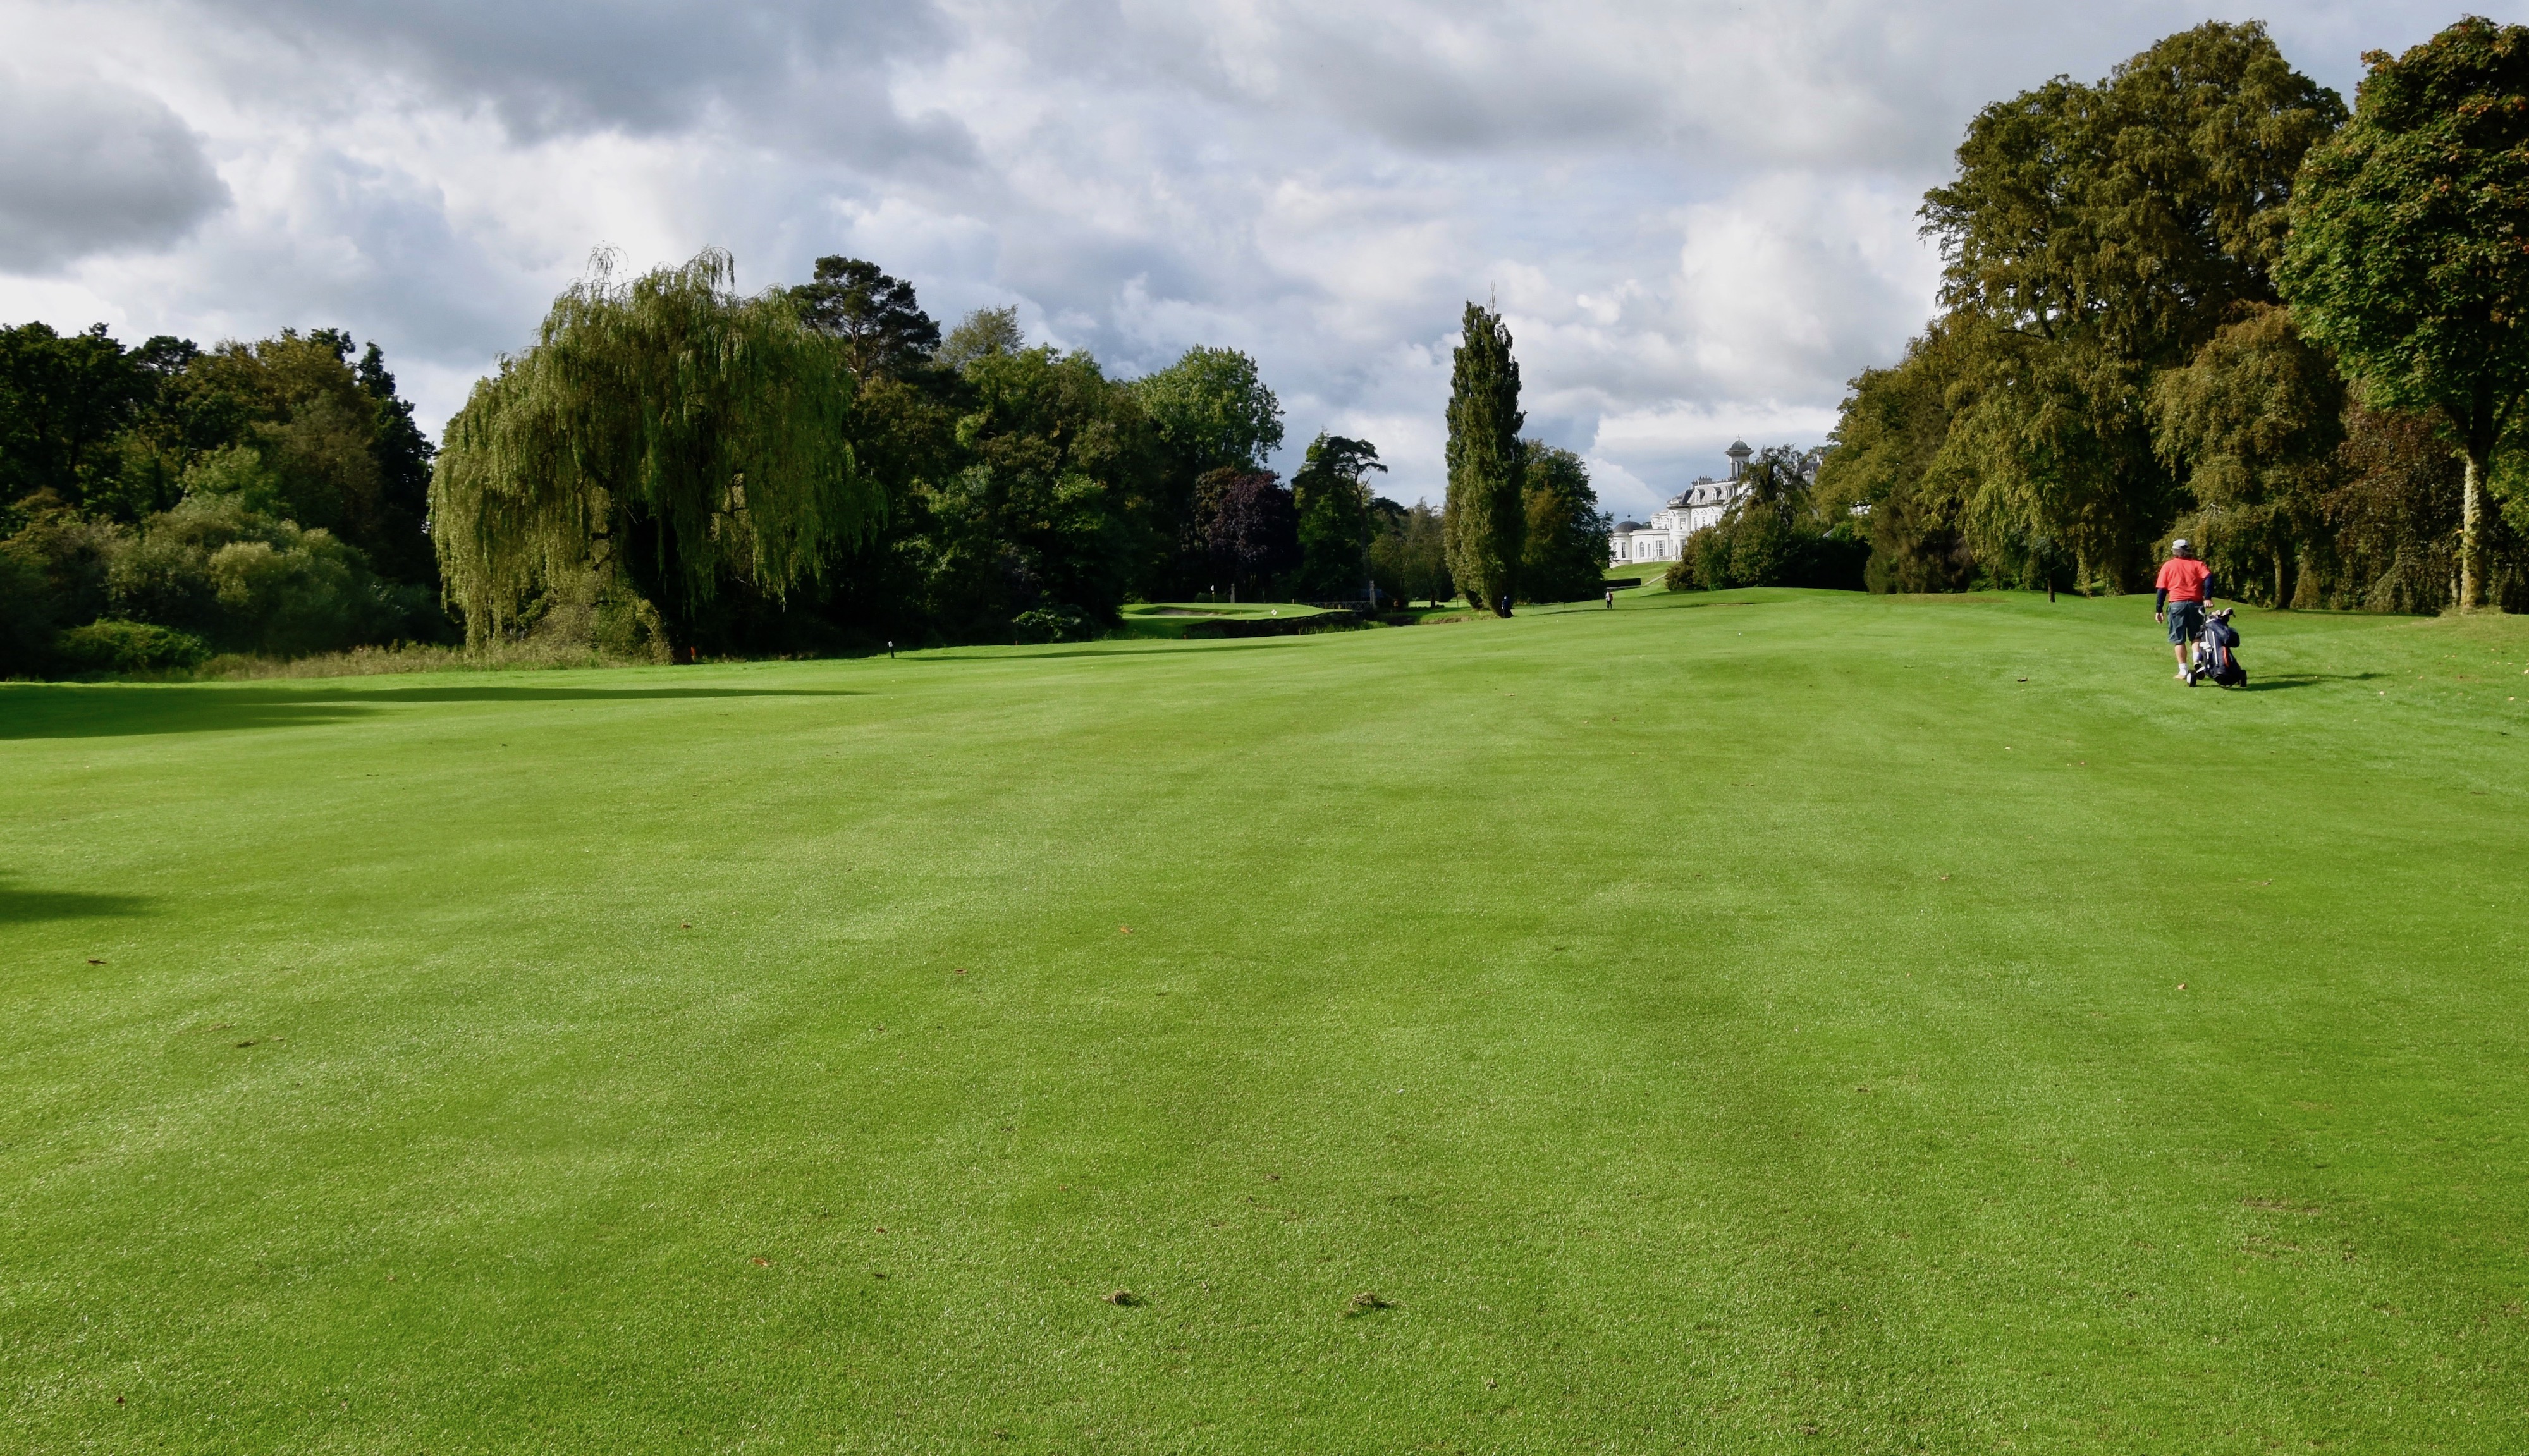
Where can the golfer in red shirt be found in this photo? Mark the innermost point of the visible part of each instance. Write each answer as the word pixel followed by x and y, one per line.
pixel 2185 586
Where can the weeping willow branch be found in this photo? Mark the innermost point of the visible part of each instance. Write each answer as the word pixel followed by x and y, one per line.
pixel 664 426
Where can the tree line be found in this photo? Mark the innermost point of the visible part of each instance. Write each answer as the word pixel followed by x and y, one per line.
pixel 673 468
pixel 821 467
pixel 166 501
pixel 2200 298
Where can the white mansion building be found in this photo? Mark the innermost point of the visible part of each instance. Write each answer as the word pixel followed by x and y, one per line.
pixel 1702 505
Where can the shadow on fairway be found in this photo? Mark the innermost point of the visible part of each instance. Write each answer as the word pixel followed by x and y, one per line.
pixel 27 906
pixel 1214 646
pixel 1251 645
pixel 70 711
pixel 2283 680
pixel 550 694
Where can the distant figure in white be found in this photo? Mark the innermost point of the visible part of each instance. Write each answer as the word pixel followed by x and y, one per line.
pixel 1700 505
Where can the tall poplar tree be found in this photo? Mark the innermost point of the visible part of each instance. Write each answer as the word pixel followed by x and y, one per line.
pixel 2406 254
pixel 665 428
pixel 1486 520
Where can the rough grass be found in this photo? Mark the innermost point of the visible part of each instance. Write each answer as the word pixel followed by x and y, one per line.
pixel 1738 1022
pixel 530 655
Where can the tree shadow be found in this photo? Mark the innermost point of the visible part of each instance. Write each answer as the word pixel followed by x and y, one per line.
pixel 63 710
pixel 492 694
pixel 2283 680
pixel 1154 647
pixel 1213 645
pixel 27 906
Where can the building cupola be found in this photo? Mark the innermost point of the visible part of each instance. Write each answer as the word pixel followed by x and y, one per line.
pixel 1739 453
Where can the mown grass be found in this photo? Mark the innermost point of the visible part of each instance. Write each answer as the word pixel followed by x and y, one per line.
pixel 1737 1022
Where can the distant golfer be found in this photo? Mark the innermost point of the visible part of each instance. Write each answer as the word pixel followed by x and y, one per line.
pixel 2185 586
pixel 1611 599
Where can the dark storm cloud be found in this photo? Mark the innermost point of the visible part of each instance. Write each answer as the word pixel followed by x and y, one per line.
pixel 814 73
pixel 1440 78
pixel 87 167
pixel 1838 83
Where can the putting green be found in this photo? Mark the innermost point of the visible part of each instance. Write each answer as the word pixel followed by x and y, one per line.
pixel 1172 619
pixel 1727 1022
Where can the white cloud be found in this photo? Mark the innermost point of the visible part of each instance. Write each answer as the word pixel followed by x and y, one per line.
pixel 1660 448
pixel 1697 214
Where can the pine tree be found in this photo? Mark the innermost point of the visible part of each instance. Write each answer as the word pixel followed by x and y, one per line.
pixel 1332 493
pixel 1486 519
pixel 884 330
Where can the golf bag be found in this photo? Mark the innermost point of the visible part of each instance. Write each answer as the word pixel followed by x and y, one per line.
pixel 2214 658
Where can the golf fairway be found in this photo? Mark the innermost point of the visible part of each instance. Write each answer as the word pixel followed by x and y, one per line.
pixel 1760 1021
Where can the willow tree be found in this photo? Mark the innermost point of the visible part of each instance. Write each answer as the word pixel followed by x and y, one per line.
pixel 1486 521
pixel 664 427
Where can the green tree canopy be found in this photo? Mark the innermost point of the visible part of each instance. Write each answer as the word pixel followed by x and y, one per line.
pixel 289 426
pixel 2393 517
pixel 1213 411
pixel 663 425
pixel 1051 511
pixel 1888 458
pixel 63 401
pixel 2254 423
pixel 2094 235
pixel 1208 411
pixel 1410 557
pixel 403 454
pixel 1564 539
pixel 1485 518
pixel 982 334
pixel 2137 208
pixel 2409 252
pixel 262 497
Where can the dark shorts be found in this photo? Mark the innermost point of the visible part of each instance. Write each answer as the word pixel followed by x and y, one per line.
pixel 2185 622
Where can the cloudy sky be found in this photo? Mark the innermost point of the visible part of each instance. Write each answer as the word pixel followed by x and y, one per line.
pixel 1698 215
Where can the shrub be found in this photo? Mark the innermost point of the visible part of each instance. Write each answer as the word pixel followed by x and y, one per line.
pixel 53 573
pixel 1051 625
pixel 248 582
pixel 1755 547
pixel 26 611
pixel 114 646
